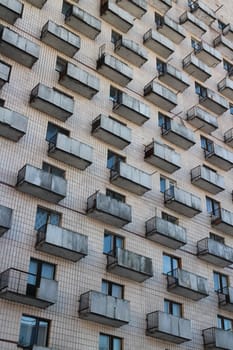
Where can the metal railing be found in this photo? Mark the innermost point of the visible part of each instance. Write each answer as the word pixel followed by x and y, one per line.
pixel 96 123
pixel 196 173
pixel 21 174
pixel 209 336
pixel 169 194
pixel 228 136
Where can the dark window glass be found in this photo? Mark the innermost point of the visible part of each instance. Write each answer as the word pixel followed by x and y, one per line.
pixel 33 331
pixel 200 90
pixel 114 93
pixel 220 281
pixel 111 242
pixel 115 195
pixel 53 129
pixel 231 109
pixel 206 144
pixel 161 67
pixel 159 20
pixel 217 238
pixel 212 206
pixel 221 25
pixel 60 65
pixel 115 37
pixel 45 216
pixel 224 323
pixel 113 289
pixel 170 218
pixel 164 121
pixel 165 184
pixel 37 270
pixel 173 308
pixel 170 263
pixel 2 102
pixel 66 7
pixel 196 45
pixel 114 159
pixel 109 342
pixel 53 170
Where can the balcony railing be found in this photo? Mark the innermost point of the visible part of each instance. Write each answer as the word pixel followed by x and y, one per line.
pixel 225 298
pixel 215 252
pixel 131 51
pixel 137 8
pixel 214 102
pixel 202 120
pixel 10 11
pixel 217 338
pixel 178 134
pixel 5 219
pixel 225 86
pixel 207 179
pixel 170 29
pixel 228 137
pixel 115 16
pixel 173 78
pixel 39 4
pixel 222 220
pixel 158 43
pixel 161 96
pixel 13 125
pixel 207 54
pixel 193 24
pixel 228 31
pixel 224 45
pixel 5 72
pixel 219 156
pixel 196 68
pixel 202 12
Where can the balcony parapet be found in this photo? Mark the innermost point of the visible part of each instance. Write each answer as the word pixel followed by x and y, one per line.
pixel 137 8
pixel 196 68
pixel 10 11
pixel 158 43
pixel 193 24
pixel 219 156
pixel 202 120
pixel 222 220
pixel 207 179
pixel 117 17
pixel 13 125
pixel 215 252
pixel 131 51
pixel 217 338
pixel 5 219
pixel 178 134
pixel 161 96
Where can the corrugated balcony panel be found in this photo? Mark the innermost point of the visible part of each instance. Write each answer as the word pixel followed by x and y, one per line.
pixel 161 5
pixel 202 120
pixel 214 102
pixel 13 125
pixel 196 68
pixel 125 263
pixel 228 137
pixel 14 287
pixel 158 43
pixel 222 220
pixel 161 96
pixel 162 157
pixel 39 4
pixel 225 298
pixel 178 134
pixel 104 309
pixel 225 86
pixel 173 78
pixel 182 202
pixel 207 179
pixel 52 101
pixel 136 8
pixel 130 178
pixel 41 184
pixel 217 338
pixel 10 11
pixel 208 54
pixel 114 15
pixel 58 241
pixel 83 22
pixel 203 12
pixel 60 38
pixel 108 210
pixel 18 48
pixel 5 219
pixel 131 51
pixel 219 156
pixel 225 45
pixel 131 108
pixel 171 30
pixel 228 32
pixel 170 328
pixel 166 233
pixel 114 69
pixel 70 151
pixel 187 284
pixel 5 72
pixel 215 252
pixel 111 131
pixel 79 81
pixel 192 24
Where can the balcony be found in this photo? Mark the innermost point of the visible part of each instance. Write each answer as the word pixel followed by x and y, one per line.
pixel 219 157
pixel 207 54
pixel 225 86
pixel 162 5
pixel 130 178
pixel 228 137
pixel 213 102
pixel 202 12
pixel 52 101
pixel 160 96
pixel 163 157
pixel 187 284
pixel 131 51
pixel 215 252
pixel 202 120
pixel 18 48
pixel 13 125
pixel 173 78
pixel 125 263
pixel 10 11
pixel 5 219
pixel 5 72
pixel 137 8
pixel 196 68
pixel 166 233
pixel 58 241
pixel 111 131
pixel 79 81
pixel 192 24
pixel 225 45
pixel 105 309
pixel 114 69
pixel 225 299
pixel 228 31
pixel 131 108
pixel 159 44
pixel 217 338
pixel 36 347
pixel 14 286
pixel 170 328
pixel 108 210
pixel 39 4
pixel 170 29
pixel 115 16
pixel 82 22
pixel 70 151
pixel 60 38
pixel 222 220
pixel 207 179
pixel 41 184
pixel 178 134
pixel 182 202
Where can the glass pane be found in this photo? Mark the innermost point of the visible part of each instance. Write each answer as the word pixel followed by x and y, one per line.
pixel 104 287
pixel 216 282
pixel 166 264
pixel 219 322
pixel 116 344
pixel 227 324
pixel 104 342
pixel 224 281
pixel 119 242
pixel 54 219
pixel 175 263
pixel 117 291
pixel 209 205
pixel 161 120
pixel 33 267
pixel 176 309
pixel 108 243
pixel 42 333
pixel 41 218
pixel 162 184
pixel 27 331
pixel 166 306
pixel 47 271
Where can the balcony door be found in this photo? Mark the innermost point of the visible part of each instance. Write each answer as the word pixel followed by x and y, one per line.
pixel 38 270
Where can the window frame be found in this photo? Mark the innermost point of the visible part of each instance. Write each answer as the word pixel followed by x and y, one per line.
pixel 51 169
pixel 221 319
pixel 114 238
pixel 49 212
pixel 173 259
pixel 214 205
pixel 169 218
pixel 115 195
pixel 117 158
pixel 171 304
pixel 57 129
pixel 221 284
pixel 168 184
pixel 111 341
pixel 33 337
pixel 110 286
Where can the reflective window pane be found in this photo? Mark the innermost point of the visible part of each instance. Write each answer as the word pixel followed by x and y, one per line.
pixel 47 271
pixel 107 243
pixel 27 331
pixel 104 342
pixel 116 344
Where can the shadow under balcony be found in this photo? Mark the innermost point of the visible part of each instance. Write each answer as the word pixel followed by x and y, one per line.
pixel 167 327
pixel 14 287
pixel 215 252
pixel 219 157
pixel 202 120
pixel 173 78
pixel 39 4
pixel 41 184
pixel 182 202
pixel 224 45
pixel 225 299
pixel 131 51
pixel 10 11
pixel 130 178
pixel 166 233
pixel 104 309
pixel 5 219
pixel 5 72
pixel 160 96
pixel 170 29
pixel 125 263
pixel 108 210
pixel 187 284
pixel 207 54
pixel 213 102
pixel 207 179
pixel 203 12
pixel 58 241
pixel 225 86
pixel 178 134
pixel 137 8
pixel 196 68
pixel 228 137
pixel 158 43
pixel 222 220
pixel 162 5
pixel 13 125
pixel 115 16
pixel 192 24
pixel 217 339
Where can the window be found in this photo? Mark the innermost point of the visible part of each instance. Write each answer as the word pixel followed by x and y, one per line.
pixel 166 184
pixel 111 242
pixel 33 331
pixel 60 65
pixel 170 263
pixel 114 94
pixel 116 120
pixel 53 129
pixel 224 323
pixel 221 25
pixel 2 102
pixel 217 238
pixel 115 195
pixel 231 108
pixel 161 67
pixel 113 289
pixel 206 144
pixel 113 160
pixel 220 281
pixel 172 308
pixel 200 90
pixel 159 20
pixel 115 37
pixel 46 216
pixel 212 206
pixel 109 342
pixel 53 170
pixel 196 45
pixel 164 121
pixel 228 66
pixel 170 218
pixel 37 270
